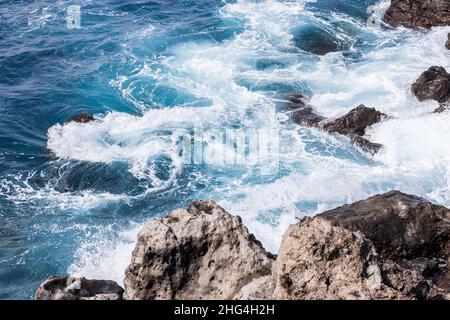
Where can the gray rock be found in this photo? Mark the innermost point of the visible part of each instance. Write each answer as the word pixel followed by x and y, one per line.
pixel 418 13
pixel 399 225
pixel 411 234
pixel 447 44
pixel 70 288
pixel 317 260
pixel 201 252
pixel 433 84
pixel 390 246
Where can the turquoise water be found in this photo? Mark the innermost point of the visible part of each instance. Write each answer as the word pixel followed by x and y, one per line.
pixel 72 197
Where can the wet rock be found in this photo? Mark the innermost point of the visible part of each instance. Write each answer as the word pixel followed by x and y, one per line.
pixel 70 288
pixel 302 113
pixel 201 252
pixel 355 122
pixel 81 118
pixel 447 44
pixel 306 116
pixel 319 261
pixel 366 145
pixel 433 84
pixel 442 107
pixel 418 13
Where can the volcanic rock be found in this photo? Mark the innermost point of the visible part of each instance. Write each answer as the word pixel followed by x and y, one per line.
pixel 418 13
pixel 433 84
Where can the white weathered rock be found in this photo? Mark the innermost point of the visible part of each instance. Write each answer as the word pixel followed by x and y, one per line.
pixel 201 252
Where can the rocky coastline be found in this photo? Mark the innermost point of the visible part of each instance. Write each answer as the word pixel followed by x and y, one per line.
pixel 390 246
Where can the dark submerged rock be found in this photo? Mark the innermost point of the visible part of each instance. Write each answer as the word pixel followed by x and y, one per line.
pixel 418 13
pixel 81 118
pixel 447 44
pixel 433 84
pixel 317 41
pixel 70 288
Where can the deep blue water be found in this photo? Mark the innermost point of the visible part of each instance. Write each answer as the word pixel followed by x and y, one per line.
pixel 73 197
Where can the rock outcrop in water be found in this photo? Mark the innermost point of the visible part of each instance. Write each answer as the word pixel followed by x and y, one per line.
pixel 433 84
pixel 353 124
pixel 418 13
pixel 81 118
pixel 447 44
pixel 201 252
pixel 390 246
pixel 70 288
pixel 302 113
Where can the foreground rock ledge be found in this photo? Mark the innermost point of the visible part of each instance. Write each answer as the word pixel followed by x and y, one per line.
pixel 201 252
pixel 391 246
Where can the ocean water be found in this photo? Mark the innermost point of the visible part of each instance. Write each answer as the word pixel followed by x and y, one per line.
pixel 73 196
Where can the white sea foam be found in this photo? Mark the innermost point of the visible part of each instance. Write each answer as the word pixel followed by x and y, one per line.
pixel 415 157
pixel 103 257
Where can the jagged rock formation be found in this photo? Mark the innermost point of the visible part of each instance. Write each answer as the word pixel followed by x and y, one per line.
pixel 390 246
pixel 353 124
pixel 433 84
pixel 201 252
pixel 418 13
pixel 70 288
pixel 447 44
